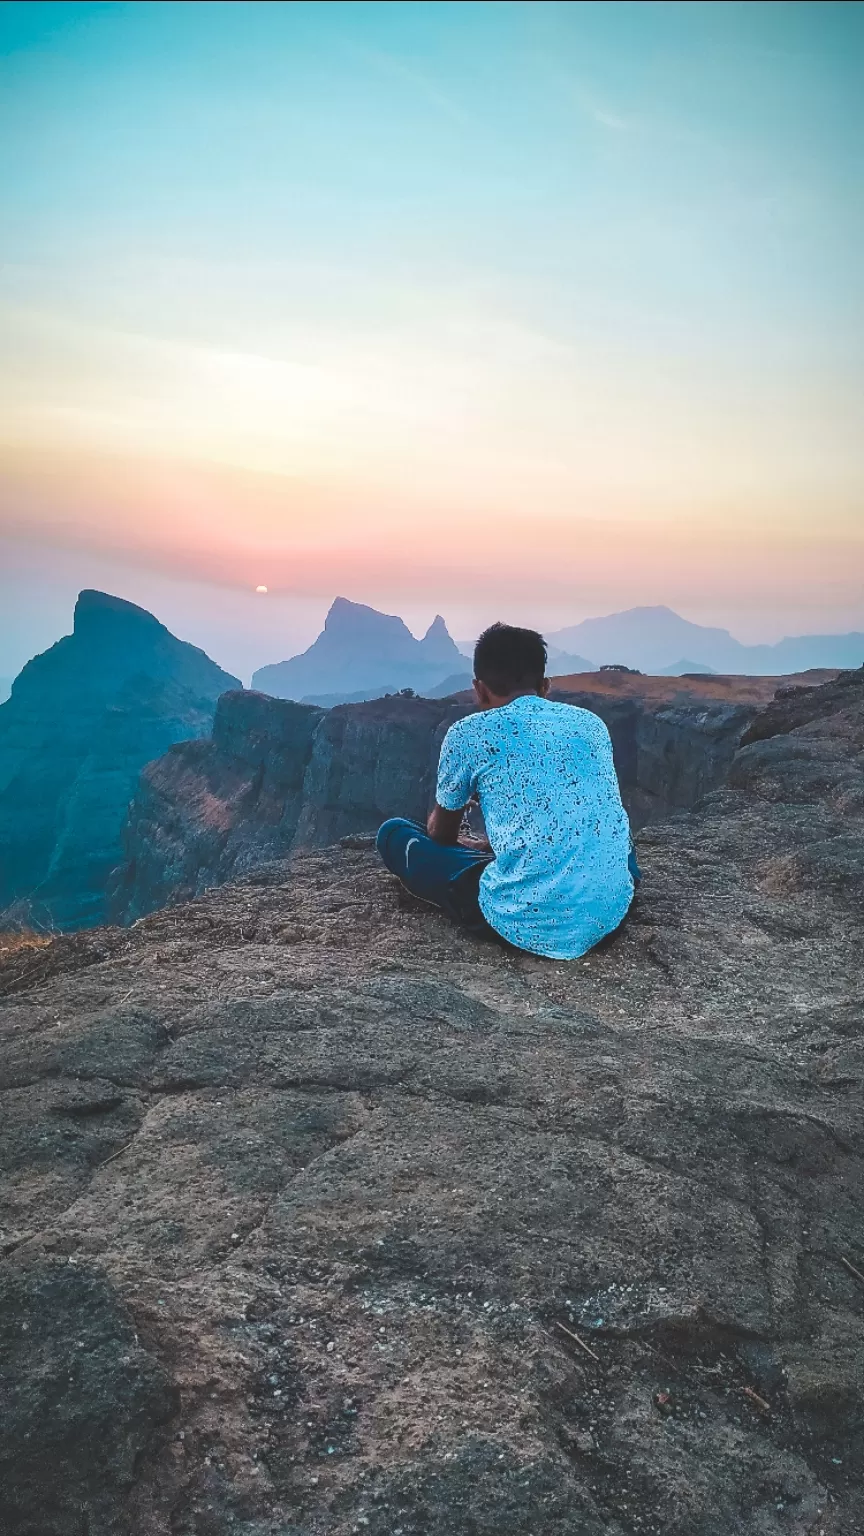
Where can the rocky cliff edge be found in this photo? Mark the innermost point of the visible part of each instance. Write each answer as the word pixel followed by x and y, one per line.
pixel 277 776
pixel 321 1217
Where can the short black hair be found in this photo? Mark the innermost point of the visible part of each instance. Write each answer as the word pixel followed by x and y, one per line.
pixel 507 659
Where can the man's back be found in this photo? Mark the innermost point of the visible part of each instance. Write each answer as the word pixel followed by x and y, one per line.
pixel 546 782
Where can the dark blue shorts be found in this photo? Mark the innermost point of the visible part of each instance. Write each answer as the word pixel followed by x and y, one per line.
pixel 447 875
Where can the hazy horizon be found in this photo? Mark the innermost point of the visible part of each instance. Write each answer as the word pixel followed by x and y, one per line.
pixel 242 631
pixel 504 310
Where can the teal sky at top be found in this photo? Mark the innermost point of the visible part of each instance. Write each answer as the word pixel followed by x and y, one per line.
pixel 584 277
pixel 683 170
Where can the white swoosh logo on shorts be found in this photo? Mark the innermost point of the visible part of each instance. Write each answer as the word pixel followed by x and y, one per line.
pixel 408 846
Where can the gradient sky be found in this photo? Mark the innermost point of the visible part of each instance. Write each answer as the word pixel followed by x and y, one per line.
pixel 532 311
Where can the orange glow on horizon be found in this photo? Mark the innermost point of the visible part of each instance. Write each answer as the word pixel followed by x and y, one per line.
pixel 219 525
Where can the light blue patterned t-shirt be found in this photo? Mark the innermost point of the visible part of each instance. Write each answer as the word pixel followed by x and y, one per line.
pixel 547 786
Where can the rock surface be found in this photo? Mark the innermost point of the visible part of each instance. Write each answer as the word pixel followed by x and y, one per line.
pixel 83 719
pixel 435 1238
pixel 82 1402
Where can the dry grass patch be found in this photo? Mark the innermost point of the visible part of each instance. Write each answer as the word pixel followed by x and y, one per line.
pixel 21 939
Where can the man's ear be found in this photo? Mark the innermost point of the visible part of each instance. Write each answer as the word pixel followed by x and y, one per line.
pixel 482 694
pixel 544 687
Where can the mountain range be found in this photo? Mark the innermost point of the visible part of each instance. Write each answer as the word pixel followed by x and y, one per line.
pixel 362 653
pixel 658 639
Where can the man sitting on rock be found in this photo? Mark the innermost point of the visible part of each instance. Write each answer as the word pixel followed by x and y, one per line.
pixel 556 874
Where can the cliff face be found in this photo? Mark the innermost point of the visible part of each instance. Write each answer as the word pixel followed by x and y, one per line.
pixel 275 775
pixel 209 810
pixel 82 720
pixel 323 1217
pixel 370 761
pixel 279 776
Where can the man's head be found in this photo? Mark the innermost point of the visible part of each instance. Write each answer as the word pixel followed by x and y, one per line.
pixel 508 662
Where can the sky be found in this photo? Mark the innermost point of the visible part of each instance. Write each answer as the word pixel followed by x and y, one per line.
pixel 524 311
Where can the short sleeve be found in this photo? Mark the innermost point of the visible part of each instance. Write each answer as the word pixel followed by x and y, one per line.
pixel 606 771
pixel 455 772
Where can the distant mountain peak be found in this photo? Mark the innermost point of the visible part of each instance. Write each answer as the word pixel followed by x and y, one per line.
pixel 347 619
pixel 95 609
pixel 437 627
pixel 343 608
pixel 438 646
pixel 360 649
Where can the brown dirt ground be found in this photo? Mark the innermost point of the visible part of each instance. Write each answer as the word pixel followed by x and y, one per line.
pixel 399 1231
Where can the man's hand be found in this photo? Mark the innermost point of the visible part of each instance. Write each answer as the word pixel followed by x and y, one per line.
pixel 476 842
pixel 443 825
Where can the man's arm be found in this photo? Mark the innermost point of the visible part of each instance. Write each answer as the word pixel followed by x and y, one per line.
pixel 443 825
pixel 455 787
